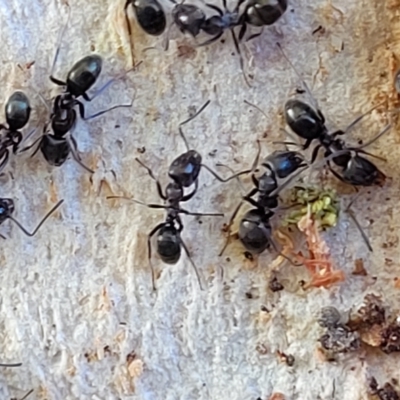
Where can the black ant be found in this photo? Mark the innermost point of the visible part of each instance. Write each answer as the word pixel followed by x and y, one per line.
pixel 183 172
pixel 54 143
pixel 192 19
pixel 150 16
pixel 309 124
pixel 17 111
pixel 7 209
pixel 255 228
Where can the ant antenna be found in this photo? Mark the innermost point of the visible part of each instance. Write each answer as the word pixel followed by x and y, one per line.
pixel 358 119
pixel 303 82
pixel 381 133
pixel 40 223
pixel 11 365
pixel 59 40
pixel 233 173
pixel 166 207
pixel 190 119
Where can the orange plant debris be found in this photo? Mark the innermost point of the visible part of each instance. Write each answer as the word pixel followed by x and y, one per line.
pixel 319 263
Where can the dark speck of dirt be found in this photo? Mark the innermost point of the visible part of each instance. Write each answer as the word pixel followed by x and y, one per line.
pixel 391 339
pixel 117 126
pixel 275 285
pixel 141 150
pixel 249 295
pixel 248 256
pixel 227 259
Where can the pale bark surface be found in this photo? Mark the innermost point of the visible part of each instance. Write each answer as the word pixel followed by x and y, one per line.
pixel 76 299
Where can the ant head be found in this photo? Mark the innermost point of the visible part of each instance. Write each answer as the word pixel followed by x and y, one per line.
pixel 150 16
pixel 185 169
pixel 83 75
pixel 18 111
pixel 6 208
pixel 303 120
pixel 283 163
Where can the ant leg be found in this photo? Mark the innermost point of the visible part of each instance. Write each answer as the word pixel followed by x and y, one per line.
pixel 128 25
pixel 4 162
pixel 166 42
pixel 336 175
pixel 350 212
pixel 180 228
pixel 371 155
pixel 307 89
pixel 40 223
pixel 275 246
pixel 150 172
pixel 74 151
pixel 241 62
pixel 32 145
pixel 228 237
pixel 25 139
pixel 28 394
pixel 374 139
pixel 192 263
pixel 314 154
pixel 358 119
pixel 232 218
pixel 215 8
pixel 212 40
pixel 239 3
pixel 59 41
pixel 150 235
pixel 242 31
pixel 256 35
pixel 11 365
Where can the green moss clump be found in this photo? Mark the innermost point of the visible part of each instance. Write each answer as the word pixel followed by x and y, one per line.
pixel 322 203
